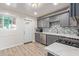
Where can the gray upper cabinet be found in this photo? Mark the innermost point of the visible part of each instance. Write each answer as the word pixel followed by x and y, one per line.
pixel 40 23
pixel 43 23
pixel 46 22
pixel 64 19
pixel 54 19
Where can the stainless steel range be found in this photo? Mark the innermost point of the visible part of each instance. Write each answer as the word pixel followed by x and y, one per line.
pixel 70 42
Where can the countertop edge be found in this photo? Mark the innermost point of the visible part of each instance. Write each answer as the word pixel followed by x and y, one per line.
pixel 63 35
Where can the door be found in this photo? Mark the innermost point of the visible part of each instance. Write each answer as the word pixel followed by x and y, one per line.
pixel 28 31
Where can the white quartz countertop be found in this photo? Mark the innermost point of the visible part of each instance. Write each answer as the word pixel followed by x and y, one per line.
pixel 64 35
pixel 62 50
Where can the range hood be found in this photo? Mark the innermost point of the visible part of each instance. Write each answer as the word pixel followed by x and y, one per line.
pixel 74 12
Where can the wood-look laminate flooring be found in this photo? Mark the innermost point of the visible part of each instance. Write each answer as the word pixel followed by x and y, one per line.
pixel 30 49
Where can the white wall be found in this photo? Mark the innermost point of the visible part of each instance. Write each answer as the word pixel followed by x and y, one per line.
pixel 10 38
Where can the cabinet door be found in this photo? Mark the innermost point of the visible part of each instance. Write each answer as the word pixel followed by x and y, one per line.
pixel 46 22
pixel 64 19
pixel 37 23
pixel 54 19
pixel 51 39
pixel 40 23
pixel 43 22
pixel 37 37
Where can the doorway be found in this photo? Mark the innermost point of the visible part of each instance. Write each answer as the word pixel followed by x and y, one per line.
pixel 28 31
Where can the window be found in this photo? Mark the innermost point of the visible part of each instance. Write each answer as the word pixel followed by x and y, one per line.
pixel 7 22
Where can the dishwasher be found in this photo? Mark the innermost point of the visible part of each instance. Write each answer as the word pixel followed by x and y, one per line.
pixel 43 38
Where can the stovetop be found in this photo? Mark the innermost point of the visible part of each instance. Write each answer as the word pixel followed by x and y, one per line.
pixel 74 43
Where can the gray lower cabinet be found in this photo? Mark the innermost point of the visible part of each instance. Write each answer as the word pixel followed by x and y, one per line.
pixel 37 37
pixel 45 39
pixel 51 39
pixel 41 38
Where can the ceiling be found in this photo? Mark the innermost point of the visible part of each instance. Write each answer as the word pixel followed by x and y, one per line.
pixel 44 8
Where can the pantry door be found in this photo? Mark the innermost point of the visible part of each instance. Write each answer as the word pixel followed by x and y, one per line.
pixel 28 31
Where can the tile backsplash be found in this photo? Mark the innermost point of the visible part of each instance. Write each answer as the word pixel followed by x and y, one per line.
pixel 56 28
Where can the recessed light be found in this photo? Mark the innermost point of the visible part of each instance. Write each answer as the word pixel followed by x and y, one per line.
pixel 55 3
pixel 8 4
pixel 35 13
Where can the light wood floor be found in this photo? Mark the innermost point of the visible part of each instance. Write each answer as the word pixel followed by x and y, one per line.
pixel 30 49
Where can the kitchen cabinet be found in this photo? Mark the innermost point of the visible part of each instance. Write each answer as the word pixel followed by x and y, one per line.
pixel 37 37
pixel 54 19
pixel 40 23
pixel 64 19
pixel 41 38
pixel 43 23
pixel 46 24
pixel 51 39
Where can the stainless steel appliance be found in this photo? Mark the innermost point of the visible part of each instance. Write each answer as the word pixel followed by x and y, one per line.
pixel 43 38
pixel 69 41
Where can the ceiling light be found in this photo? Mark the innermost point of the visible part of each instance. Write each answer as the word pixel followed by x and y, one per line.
pixel 55 3
pixel 8 4
pixel 34 5
pixel 35 13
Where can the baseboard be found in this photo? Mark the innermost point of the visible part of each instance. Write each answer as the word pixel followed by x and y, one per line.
pixel 28 42
pixel 11 46
pixel 15 45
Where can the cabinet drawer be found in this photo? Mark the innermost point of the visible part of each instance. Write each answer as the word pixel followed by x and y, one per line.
pixel 51 39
